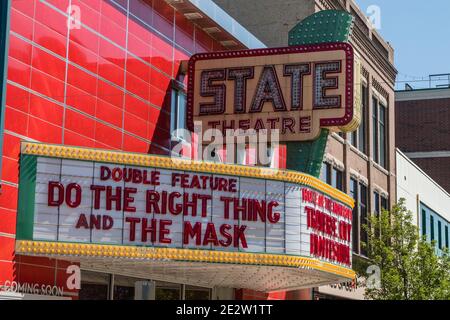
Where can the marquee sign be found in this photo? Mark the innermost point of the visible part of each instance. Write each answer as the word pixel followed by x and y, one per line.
pixel 297 90
pixel 88 196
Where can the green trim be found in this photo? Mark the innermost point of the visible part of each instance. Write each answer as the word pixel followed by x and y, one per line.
pixel 5 6
pixel 321 27
pixel 27 194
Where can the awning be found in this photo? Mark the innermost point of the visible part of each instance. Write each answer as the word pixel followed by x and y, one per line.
pixel 256 271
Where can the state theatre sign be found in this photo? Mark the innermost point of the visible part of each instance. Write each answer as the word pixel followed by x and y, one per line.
pixel 196 222
pixel 297 90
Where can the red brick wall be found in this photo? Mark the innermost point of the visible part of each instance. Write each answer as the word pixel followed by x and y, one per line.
pixel 438 169
pixel 422 125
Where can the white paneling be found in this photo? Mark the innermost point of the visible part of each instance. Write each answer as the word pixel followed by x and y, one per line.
pixel 413 183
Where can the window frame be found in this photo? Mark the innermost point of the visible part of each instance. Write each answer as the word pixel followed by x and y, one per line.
pixel 330 172
pixel 439 234
pixel 380 132
pixel 337 178
pixel 362 130
pixel 431 227
pixel 424 222
pixel 177 91
pixel 384 203
pixel 363 214
pixel 354 192
pixel 446 236
pixel 358 138
pixel 375 137
pixel 325 173
pixel 377 202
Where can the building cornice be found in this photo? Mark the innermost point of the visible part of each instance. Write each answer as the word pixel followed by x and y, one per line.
pixel 422 94
pixel 218 24
pixel 375 58
pixel 363 41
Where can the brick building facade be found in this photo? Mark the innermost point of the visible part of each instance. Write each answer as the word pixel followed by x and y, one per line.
pixel 362 163
pixel 423 130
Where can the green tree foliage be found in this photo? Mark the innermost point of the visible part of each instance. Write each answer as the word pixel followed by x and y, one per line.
pixel 410 267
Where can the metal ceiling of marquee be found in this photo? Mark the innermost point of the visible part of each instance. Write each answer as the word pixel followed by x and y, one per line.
pixel 259 278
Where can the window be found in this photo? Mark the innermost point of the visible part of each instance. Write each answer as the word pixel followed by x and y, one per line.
pixel 376 201
pixel 125 287
pixel 358 192
pixel 379 133
pixel 94 286
pixel 168 291
pixel 332 176
pixel 430 220
pixel 363 215
pixel 197 293
pixel 377 211
pixel 380 202
pixel 439 235
pixel 354 138
pixel 355 217
pixel 424 222
pixel 362 130
pixel 432 227
pixel 178 113
pixel 325 174
pixel 358 138
pixel 384 203
pixel 337 179
pixel 446 237
pixel 375 154
pixel 105 286
pixel 382 132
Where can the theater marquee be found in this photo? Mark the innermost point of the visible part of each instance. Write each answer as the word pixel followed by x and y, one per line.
pixel 297 90
pixel 88 204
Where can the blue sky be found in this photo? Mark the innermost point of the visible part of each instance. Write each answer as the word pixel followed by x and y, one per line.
pixel 419 31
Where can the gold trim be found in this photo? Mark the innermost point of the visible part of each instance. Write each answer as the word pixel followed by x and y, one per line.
pixel 357 102
pixel 140 159
pixel 146 253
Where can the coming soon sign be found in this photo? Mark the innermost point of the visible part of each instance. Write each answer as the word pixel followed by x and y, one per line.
pixel 297 90
pixel 70 197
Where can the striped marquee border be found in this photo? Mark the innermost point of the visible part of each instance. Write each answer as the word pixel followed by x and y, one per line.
pixel 143 254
